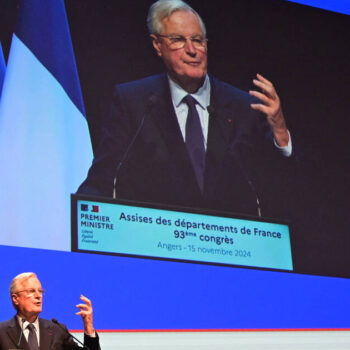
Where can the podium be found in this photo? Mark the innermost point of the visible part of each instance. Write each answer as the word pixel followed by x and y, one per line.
pixel 154 231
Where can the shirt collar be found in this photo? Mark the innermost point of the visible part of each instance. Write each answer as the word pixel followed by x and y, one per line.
pixel 26 323
pixel 202 96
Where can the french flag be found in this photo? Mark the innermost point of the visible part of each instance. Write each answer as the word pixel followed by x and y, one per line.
pixel 45 147
pixel 2 68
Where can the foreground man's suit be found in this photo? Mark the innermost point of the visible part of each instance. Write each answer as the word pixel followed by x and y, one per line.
pixel 51 337
pixel 241 159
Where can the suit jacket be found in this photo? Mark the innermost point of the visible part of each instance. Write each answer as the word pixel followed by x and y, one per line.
pixel 157 167
pixel 52 337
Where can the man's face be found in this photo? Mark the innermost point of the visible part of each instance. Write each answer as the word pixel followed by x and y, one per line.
pixel 28 299
pixel 188 65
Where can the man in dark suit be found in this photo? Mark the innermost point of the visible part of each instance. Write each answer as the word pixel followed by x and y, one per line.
pixel 185 138
pixel 29 332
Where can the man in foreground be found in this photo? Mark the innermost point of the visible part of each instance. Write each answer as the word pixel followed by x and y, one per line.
pixel 186 138
pixel 27 331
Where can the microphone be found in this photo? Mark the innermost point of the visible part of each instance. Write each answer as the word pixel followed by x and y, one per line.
pixel 250 182
pixel 150 103
pixel 252 187
pixel 21 335
pixel 66 330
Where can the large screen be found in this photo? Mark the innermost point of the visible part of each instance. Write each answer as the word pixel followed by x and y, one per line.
pixel 302 50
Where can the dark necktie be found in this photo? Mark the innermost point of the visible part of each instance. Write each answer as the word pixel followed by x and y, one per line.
pixel 195 140
pixel 32 338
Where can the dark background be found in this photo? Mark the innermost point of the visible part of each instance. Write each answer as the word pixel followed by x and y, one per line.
pixel 305 52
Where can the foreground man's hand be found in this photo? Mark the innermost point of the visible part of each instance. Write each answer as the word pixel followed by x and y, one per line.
pixel 86 314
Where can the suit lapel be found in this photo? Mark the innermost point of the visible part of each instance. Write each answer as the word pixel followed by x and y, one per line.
pixel 221 121
pixel 46 334
pixel 14 333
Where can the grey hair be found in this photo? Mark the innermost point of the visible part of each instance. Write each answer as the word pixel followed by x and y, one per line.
pixel 19 279
pixel 163 9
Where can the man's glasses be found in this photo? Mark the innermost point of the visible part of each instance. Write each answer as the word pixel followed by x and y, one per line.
pixel 179 41
pixel 32 291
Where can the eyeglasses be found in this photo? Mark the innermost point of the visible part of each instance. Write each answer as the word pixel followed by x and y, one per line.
pixel 178 41
pixel 32 291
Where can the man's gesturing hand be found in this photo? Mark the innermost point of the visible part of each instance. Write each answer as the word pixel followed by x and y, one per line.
pixel 271 106
pixel 85 311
